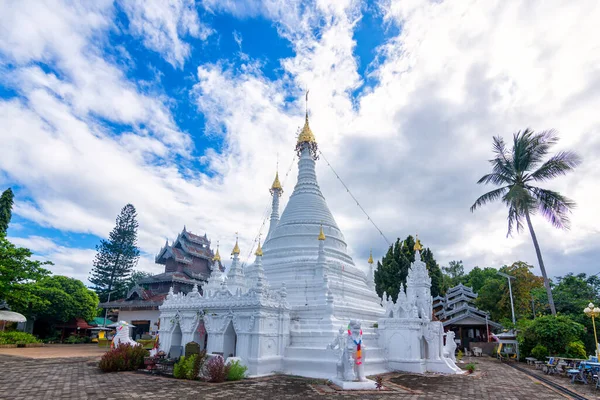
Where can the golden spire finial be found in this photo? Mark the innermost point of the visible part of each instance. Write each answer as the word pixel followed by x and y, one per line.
pixel 236 248
pixel 321 233
pixel 276 184
pixel 370 261
pixel 306 134
pixel 217 256
pixel 418 246
pixel 258 252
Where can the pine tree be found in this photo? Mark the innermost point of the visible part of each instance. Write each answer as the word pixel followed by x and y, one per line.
pixel 116 256
pixel 393 268
pixel 6 203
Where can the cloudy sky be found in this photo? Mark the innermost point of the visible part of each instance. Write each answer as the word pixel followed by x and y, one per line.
pixel 183 108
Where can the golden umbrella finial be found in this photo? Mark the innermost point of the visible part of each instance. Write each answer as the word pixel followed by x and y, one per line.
pixel 370 261
pixel 217 256
pixel 418 246
pixel 236 248
pixel 259 251
pixel 321 233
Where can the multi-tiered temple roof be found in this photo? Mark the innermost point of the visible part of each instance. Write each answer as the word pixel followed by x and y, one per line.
pixel 188 261
pixel 458 308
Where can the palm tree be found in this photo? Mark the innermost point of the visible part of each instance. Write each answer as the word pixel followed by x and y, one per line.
pixel 516 172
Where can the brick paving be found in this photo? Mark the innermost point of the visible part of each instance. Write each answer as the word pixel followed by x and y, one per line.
pixel 79 378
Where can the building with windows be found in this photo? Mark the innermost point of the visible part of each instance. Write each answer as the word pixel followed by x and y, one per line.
pixel 458 313
pixel 188 260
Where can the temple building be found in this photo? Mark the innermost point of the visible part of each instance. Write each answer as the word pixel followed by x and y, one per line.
pixel 458 313
pixel 283 312
pixel 188 261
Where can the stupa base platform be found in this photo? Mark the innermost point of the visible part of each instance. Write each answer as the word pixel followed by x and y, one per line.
pixel 355 385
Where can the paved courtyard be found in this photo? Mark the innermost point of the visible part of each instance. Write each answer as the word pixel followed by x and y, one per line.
pixel 80 378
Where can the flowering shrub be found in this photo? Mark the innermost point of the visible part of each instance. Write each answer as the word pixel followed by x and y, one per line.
pixel 123 358
pixel 16 337
pixel 236 371
pixel 216 370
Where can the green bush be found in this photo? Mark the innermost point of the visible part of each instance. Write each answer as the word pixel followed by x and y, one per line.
pixel 77 339
pixel 189 367
pixel 236 371
pixel 554 332
pixel 576 350
pixel 124 357
pixel 179 368
pixel 460 355
pixel 17 337
pixel 470 367
pixel 539 352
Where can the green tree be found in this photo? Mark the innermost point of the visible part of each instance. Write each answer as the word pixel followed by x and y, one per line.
pixel 453 274
pixel 572 293
pixel 393 269
pixel 116 256
pixel 6 203
pixel 17 269
pixel 554 332
pixel 516 172
pixel 57 299
pixel 135 277
pixel 494 295
pixel 60 299
pixel 478 277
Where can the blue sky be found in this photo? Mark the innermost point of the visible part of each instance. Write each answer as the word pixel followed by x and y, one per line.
pixel 183 108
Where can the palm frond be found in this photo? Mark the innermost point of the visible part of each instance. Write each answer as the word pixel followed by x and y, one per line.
pixel 495 178
pixel 515 217
pixel 557 165
pixel 500 147
pixel 489 197
pixel 530 148
pixel 554 206
pixel 540 145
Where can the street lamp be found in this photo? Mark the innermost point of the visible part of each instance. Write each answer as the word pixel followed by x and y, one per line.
pixel 593 312
pixel 106 310
pixel 512 306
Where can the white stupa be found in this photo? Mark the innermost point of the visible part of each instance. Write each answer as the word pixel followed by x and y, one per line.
pixel 281 313
pixel 291 251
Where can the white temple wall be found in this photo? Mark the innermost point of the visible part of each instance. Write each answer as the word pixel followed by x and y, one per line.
pixel 401 339
pixel 140 315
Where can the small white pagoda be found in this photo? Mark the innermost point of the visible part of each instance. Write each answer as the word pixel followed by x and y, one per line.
pixel 282 313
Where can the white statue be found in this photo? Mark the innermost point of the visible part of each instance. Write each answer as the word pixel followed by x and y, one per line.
pixel 123 335
pixel 338 345
pixel 355 353
pixel 433 338
pixel 450 346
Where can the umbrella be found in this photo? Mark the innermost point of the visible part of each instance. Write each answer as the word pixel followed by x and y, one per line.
pixel 121 323
pixel 11 316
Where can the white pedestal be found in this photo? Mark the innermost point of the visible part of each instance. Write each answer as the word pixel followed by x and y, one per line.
pixel 355 385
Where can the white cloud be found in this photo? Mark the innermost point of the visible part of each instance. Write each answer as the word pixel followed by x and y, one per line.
pixel 410 148
pixel 72 262
pixel 163 24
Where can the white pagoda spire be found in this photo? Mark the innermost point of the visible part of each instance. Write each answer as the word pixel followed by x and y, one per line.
pixel 276 191
pixel 261 282
pixel 216 276
pixel 371 273
pixel 235 276
pixel 292 255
